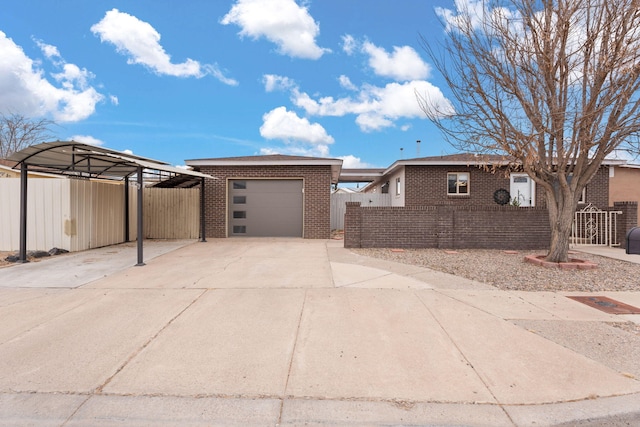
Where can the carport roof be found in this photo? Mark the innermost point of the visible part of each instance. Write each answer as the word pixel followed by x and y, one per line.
pixel 88 161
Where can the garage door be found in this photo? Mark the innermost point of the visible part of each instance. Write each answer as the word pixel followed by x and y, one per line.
pixel 265 208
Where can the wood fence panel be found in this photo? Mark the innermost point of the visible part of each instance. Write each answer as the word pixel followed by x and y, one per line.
pixel 339 200
pixel 107 214
pixel 171 213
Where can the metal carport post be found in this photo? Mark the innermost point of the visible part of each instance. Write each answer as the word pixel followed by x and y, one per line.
pixel 23 214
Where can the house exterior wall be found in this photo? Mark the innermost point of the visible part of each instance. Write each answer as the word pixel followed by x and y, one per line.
pixel 624 184
pixel 397 199
pixel 597 192
pixel 427 185
pixel 317 193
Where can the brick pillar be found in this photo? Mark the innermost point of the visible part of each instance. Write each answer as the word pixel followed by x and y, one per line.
pixel 446 227
pixel 353 225
pixel 626 221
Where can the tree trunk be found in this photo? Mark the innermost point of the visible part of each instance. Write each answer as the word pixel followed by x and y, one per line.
pixel 560 220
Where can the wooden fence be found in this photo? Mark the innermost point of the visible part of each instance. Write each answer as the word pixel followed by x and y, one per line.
pixel 77 214
pixel 339 202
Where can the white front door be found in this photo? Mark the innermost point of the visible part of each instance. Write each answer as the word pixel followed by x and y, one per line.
pixel 522 190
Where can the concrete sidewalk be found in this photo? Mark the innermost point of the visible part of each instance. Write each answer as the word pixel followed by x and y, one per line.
pixel 301 332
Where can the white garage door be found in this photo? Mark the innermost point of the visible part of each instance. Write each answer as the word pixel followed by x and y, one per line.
pixel 265 207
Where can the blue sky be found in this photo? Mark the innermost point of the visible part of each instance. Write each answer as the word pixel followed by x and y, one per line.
pixel 176 80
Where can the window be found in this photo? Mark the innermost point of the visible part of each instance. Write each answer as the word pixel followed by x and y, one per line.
pixel 458 183
pixel 239 214
pixel 583 196
pixel 397 186
pixel 239 229
pixel 239 200
pixel 239 185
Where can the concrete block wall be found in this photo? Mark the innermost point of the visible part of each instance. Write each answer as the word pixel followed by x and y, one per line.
pixel 317 194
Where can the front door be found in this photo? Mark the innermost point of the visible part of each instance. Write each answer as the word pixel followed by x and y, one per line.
pixel 522 190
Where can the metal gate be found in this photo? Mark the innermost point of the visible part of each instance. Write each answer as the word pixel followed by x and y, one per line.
pixel 593 226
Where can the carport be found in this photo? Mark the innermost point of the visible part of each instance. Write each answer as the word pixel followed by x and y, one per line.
pixel 83 161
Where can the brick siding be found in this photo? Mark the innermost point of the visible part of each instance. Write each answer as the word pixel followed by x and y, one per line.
pixel 446 227
pixel 427 185
pixel 317 193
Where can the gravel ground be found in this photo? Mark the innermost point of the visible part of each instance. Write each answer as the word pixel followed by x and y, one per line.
pixel 510 272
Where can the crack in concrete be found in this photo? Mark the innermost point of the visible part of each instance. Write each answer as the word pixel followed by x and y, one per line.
pixel 293 354
pixel 453 342
pixel 98 390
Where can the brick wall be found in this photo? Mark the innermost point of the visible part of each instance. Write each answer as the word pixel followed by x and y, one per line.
pixel 626 221
pixel 317 193
pixel 427 185
pixel 447 227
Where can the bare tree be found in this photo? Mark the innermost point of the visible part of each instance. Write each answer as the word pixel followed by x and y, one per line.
pixel 18 132
pixel 552 84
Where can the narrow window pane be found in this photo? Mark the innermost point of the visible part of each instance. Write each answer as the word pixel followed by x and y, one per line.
pixel 239 200
pixel 453 178
pixel 463 183
pixel 239 185
pixel 239 214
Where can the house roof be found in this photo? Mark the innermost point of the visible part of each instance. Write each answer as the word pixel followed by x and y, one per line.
pixel 88 161
pixel 271 160
pixel 469 159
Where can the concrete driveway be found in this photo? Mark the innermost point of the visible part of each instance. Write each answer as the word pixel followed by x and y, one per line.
pixel 297 332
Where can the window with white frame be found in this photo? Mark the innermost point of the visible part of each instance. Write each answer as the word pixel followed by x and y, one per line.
pixel 583 195
pixel 458 183
pixel 397 186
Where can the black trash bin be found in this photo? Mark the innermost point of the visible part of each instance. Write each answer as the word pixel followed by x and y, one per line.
pixel 633 241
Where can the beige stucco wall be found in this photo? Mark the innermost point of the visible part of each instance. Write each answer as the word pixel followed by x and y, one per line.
pixel 624 185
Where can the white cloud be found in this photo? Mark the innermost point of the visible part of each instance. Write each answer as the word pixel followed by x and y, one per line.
pixel 87 139
pixel 297 150
pixel 48 50
pixel 346 83
pixel 114 99
pixel 141 43
pixel 287 126
pixel 472 13
pixel 26 90
pixel 403 64
pixel 349 44
pixel 273 82
pixel 376 107
pixel 283 22
pixel 127 151
pixel 352 162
